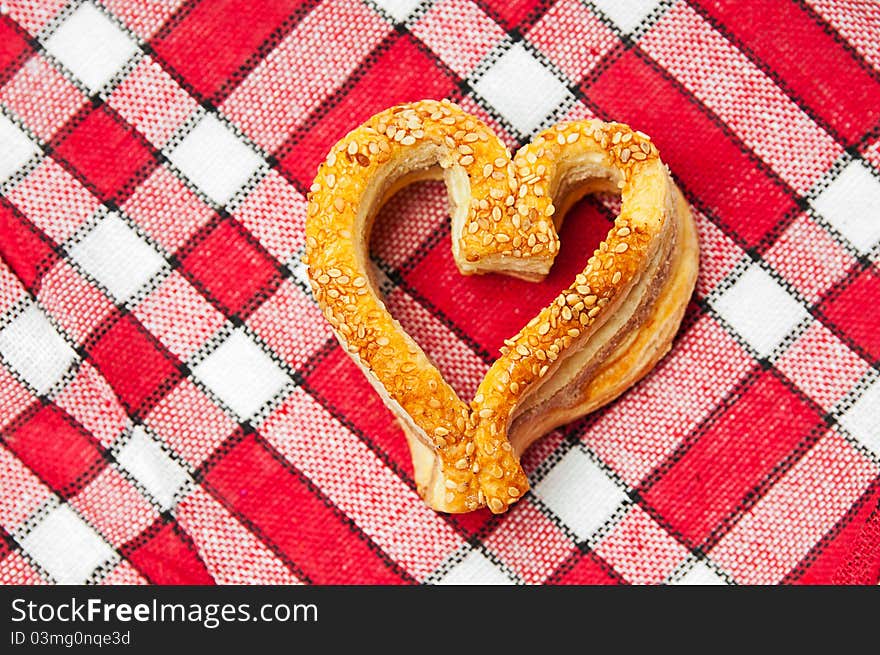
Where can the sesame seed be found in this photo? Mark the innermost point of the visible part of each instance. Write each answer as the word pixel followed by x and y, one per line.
pixel 352 147
pixel 574 333
pixel 486 412
pixel 548 211
pixel 616 277
pixel 623 232
pixel 339 203
pixel 590 300
pixel 513 491
pixel 621 247
pixel 574 136
pixel 440 431
pixel 450 484
pixel 496 213
pixel 495 505
pixel 450 496
pixel 624 155
pixel 383 341
pixel 544 328
pixel 461 464
pixel 523 349
pixel 359 281
pixel 566 313
pixel 467 160
pixel 334 272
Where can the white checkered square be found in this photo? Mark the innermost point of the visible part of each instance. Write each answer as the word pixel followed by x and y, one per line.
pixel 33 348
pixel 241 375
pixel 626 14
pixel 475 569
pixel 851 203
pixel 215 159
pixel 760 310
pixel 580 493
pixel 398 9
pixel 521 89
pixel 862 420
pixel 91 46
pixel 16 148
pixel 66 547
pixel 700 574
pixel 117 257
pixel 152 467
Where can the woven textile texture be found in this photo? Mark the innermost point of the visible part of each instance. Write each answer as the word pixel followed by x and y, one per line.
pixel 174 408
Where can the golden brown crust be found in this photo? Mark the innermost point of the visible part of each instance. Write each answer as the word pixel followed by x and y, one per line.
pixel 503 221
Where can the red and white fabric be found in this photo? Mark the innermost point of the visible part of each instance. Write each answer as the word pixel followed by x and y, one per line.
pixel 173 408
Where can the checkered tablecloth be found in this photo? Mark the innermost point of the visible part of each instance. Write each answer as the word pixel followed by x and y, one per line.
pixel 174 409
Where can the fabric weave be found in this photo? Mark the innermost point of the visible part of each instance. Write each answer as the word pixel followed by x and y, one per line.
pixel 174 408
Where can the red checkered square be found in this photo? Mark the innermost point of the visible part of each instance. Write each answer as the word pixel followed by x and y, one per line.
pixel 836 87
pixel 856 21
pixel 391 515
pixel 759 204
pixel 822 365
pixel 227 265
pixel 104 152
pixel 252 483
pixel 160 313
pixel 24 249
pixel 56 448
pixel 801 507
pixel 633 442
pixel 270 322
pixel 151 101
pixel 91 401
pixel 727 458
pixel 770 123
pixel 209 70
pixel 190 423
pixel 42 97
pixel 640 549
pixel 509 12
pixel 114 507
pixel 14 48
pixel 809 258
pixel 587 569
pixel 310 63
pixel 852 310
pixel 54 200
pixel 275 213
pixel 458 32
pixel 21 491
pixel 402 72
pixel 846 554
pixel 166 555
pixel 126 340
pixel 167 210
pixel 529 543
pixel 573 38
pixel 143 17
pixel 76 305
pixel 14 397
pixel 31 15
pixel 230 551
pixel 123 574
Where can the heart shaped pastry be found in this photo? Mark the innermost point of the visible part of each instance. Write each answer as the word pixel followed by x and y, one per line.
pixel 600 335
